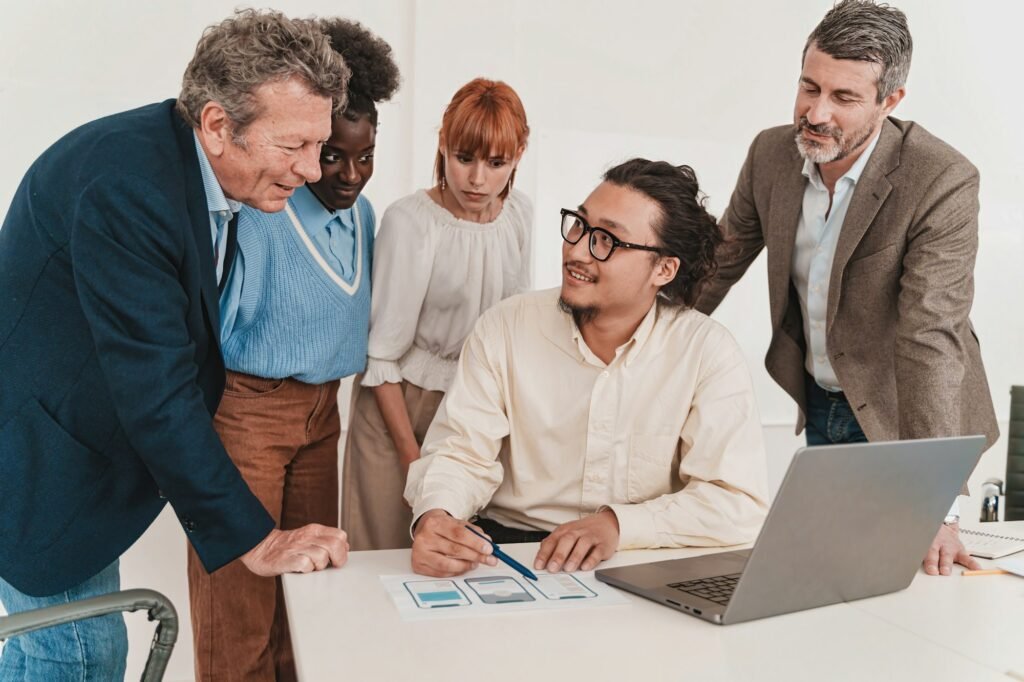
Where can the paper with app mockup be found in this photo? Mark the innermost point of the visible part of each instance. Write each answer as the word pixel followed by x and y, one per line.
pixel 491 591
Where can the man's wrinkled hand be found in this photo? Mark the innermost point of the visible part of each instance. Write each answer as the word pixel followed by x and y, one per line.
pixel 946 550
pixel 579 544
pixel 442 547
pixel 310 548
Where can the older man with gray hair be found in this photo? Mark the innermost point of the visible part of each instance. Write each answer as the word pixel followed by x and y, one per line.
pixel 871 228
pixel 110 258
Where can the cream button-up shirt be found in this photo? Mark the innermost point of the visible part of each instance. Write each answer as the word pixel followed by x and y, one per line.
pixel 537 431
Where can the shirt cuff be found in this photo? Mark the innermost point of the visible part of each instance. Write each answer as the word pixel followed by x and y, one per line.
pixel 381 372
pixel 441 501
pixel 636 526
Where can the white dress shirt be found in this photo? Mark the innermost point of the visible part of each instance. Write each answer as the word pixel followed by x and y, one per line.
pixel 816 237
pixel 537 431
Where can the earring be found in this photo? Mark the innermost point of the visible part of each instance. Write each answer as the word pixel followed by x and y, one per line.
pixel 441 181
pixel 511 180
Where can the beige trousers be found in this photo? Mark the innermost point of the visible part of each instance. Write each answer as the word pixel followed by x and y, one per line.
pixel 373 512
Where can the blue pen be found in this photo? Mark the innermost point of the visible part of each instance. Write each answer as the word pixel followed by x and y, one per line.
pixel 505 557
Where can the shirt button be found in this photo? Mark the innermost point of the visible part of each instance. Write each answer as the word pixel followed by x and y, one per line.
pixel 604 373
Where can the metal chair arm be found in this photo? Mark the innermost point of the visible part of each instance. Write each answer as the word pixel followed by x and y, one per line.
pixel 158 606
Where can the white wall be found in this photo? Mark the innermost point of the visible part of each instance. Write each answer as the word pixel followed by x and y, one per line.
pixel 689 81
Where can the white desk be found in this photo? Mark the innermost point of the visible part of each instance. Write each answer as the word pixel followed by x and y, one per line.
pixel 982 617
pixel 344 625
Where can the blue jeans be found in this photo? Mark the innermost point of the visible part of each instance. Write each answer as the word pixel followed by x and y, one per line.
pixel 830 418
pixel 82 651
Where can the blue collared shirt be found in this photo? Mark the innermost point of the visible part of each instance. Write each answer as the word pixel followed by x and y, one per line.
pixel 333 232
pixel 218 204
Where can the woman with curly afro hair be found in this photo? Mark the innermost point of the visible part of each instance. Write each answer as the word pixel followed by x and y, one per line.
pixel 295 313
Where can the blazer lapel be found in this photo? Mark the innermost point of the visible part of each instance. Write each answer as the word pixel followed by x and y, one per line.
pixel 780 237
pixel 199 216
pixel 871 192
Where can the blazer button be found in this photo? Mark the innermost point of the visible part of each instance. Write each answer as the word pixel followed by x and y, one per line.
pixel 189 524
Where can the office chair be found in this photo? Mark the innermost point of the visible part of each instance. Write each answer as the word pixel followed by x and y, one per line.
pixel 158 606
pixel 1015 457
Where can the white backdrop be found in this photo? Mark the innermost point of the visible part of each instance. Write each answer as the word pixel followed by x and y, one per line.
pixel 688 81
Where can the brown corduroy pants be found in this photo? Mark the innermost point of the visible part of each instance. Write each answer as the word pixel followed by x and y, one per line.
pixel 283 437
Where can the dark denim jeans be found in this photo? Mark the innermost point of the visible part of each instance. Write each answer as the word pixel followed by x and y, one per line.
pixel 830 418
pixel 89 650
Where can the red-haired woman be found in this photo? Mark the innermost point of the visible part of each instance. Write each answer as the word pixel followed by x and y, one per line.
pixel 442 257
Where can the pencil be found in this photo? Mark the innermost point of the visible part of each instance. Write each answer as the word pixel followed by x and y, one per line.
pixel 986 571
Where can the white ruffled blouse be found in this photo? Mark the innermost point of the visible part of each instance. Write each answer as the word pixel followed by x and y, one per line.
pixel 433 275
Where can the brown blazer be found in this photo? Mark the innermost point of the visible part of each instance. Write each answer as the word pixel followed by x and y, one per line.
pixel 902 282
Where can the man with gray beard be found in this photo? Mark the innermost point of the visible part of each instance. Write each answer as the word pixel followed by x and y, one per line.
pixel 871 228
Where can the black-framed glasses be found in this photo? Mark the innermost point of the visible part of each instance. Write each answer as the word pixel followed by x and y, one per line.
pixel 602 242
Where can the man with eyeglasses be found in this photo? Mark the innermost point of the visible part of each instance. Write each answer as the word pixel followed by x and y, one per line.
pixel 605 415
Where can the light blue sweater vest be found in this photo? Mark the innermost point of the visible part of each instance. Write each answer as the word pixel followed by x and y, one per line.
pixel 293 319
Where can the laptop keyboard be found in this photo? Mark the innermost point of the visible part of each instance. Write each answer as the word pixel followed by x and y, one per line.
pixel 718 589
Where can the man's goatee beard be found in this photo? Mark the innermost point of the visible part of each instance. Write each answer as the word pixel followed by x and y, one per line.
pixel 580 314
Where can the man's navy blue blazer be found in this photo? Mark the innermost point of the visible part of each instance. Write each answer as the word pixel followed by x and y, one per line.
pixel 110 365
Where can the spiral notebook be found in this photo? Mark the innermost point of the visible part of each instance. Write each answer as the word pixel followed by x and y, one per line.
pixel 989 545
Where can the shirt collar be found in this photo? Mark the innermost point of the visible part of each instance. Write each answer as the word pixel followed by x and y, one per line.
pixel 216 201
pixel 628 350
pixel 810 169
pixel 314 214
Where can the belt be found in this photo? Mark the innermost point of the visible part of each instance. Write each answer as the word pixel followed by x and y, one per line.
pixel 835 395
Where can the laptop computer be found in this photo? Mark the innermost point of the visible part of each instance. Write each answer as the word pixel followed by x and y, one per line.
pixel 848 522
